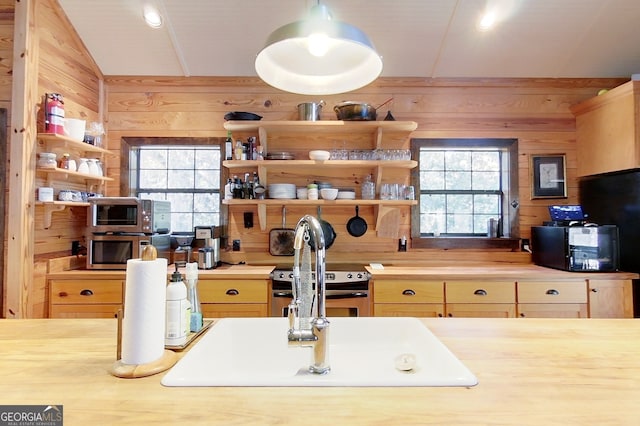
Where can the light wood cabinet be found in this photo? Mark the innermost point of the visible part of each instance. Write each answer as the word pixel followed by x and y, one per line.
pixel 85 298
pixel 480 299
pixel 414 298
pixel 610 298
pixel 233 298
pixel 608 131
pixel 552 299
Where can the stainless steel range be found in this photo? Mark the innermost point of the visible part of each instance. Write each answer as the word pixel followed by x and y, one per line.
pixel 347 290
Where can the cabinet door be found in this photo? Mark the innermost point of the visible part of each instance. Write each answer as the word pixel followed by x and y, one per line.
pixel 481 310
pixel 419 310
pixel 610 299
pixel 552 310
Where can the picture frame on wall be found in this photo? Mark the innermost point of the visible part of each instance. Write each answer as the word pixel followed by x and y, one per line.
pixel 548 176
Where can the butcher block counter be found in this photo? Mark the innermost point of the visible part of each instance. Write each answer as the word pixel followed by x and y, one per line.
pixel 530 372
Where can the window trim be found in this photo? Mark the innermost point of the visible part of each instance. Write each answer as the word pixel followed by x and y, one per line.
pixel 510 200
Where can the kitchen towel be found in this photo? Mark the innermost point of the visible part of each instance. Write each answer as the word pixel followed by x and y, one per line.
pixel 144 311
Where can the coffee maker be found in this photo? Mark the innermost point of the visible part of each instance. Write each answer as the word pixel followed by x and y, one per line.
pixel 207 242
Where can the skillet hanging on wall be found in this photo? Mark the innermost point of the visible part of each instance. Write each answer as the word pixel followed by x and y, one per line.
pixel 357 226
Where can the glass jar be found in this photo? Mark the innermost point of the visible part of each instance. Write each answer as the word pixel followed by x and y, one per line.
pixel 64 162
pixel 312 191
pixel 368 188
pixel 47 160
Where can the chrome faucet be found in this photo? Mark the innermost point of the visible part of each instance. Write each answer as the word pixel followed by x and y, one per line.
pixel 310 328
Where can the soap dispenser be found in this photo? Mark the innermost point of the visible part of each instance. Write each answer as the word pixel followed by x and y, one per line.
pixel 178 314
pixel 192 295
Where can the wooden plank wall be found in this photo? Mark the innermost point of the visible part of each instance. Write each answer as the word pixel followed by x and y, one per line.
pixel 6 66
pixel 535 111
pixel 60 64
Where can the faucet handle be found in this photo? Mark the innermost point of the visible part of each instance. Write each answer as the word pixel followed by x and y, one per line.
pixel 293 315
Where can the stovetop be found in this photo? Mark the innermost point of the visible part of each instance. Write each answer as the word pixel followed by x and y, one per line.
pixel 334 273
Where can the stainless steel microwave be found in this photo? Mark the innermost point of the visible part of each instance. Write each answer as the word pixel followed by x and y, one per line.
pixel 111 251
pixel 116 215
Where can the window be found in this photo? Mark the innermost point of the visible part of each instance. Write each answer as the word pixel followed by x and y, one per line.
pixel 463 183
pixel 188 176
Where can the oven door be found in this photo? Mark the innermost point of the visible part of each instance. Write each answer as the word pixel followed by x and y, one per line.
pixel 112 251
pixel 340 303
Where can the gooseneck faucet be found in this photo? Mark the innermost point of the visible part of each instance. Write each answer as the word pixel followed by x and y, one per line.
pixel 310 328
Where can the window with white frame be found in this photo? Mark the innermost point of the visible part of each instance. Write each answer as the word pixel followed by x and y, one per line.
pixel 462 184
pixel 188 176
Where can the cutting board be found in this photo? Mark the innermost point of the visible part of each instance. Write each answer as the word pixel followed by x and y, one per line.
pixel 388 222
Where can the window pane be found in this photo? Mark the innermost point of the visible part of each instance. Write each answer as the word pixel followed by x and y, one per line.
pixel 486 161
pixel 207 179
pixel 181 202
pixel 458 160
pixel 153 179
pixel 206 202
pixel 182 179
pixel 459 224
pixel 460 203
pixel 431 160
pixel 432 180
pixel 181 159
pixel 489 181
pixel 154 158
pixel 487 203
pixel 208 159
pixel 458 180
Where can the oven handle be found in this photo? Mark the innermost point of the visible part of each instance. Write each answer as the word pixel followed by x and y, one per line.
pixel 353 295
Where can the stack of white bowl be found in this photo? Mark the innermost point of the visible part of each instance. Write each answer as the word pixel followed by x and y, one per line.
pixel 282 191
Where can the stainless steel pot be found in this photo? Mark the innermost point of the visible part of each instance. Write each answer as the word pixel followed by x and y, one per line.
pixel 310 111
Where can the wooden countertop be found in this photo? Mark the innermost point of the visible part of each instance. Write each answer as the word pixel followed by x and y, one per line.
pixel 482 271
pixel 530 371
pixel 436 271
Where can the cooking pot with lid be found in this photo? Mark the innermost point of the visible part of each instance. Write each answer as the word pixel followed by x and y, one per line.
pixel 310 111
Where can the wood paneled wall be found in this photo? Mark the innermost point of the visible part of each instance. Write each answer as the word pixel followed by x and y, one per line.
pixel 535 111
pixel 50 58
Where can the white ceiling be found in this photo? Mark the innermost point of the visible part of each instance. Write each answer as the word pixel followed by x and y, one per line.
pixel 416 38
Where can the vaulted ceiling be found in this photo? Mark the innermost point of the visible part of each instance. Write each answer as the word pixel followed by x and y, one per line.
pixel 416 38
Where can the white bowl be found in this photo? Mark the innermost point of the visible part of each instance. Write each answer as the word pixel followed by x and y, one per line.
pixel 319 155
pixel 329 193
pixel 74 128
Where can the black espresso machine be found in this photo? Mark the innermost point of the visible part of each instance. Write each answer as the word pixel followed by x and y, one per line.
pixel 569 242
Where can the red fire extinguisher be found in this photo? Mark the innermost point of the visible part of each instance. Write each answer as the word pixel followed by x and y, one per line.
pixel 54 113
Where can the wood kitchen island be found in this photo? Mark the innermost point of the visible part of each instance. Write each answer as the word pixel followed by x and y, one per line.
pixel 530 371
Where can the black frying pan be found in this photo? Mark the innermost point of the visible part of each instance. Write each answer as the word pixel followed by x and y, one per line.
pixel 357 226
pixel 328 232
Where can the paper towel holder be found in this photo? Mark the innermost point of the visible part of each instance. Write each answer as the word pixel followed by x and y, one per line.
pixel 132 371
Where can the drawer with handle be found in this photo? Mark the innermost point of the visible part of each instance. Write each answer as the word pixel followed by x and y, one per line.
pixel 552 292
pixel 480 292
pixel 86 291
pixel 408 291
pixel 233 291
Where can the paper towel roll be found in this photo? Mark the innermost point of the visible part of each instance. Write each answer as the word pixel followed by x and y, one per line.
pixel 144 311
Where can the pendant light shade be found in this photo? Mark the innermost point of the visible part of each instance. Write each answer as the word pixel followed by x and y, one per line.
pixel 318 56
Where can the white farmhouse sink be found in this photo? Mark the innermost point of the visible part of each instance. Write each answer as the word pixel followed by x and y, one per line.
pixel 363 352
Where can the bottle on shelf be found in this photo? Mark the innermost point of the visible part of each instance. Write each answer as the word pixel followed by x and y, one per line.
pixel 238 150
pixel 64 162
pixel 228 146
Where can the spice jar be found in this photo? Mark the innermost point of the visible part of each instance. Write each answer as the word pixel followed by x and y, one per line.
pixel 64 162
pixel 47 160
pixel 312 191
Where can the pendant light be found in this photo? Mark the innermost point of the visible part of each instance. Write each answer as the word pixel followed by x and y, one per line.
pixel 318 56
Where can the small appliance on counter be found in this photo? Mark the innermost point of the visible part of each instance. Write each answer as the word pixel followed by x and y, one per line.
pixel 207 242
pixel 570 243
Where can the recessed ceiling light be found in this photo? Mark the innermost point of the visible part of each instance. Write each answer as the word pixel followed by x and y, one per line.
pixel 152 17
pixel 487 21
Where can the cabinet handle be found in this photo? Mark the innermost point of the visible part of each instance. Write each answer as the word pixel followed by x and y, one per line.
pixel 63 294
pixel 440 315
pixel 450 315
pixel 594 290
pixel 553 292
pixel 86 292
pixel 408 292
pixel 522 315
pixel 233 292
pixel 480 292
